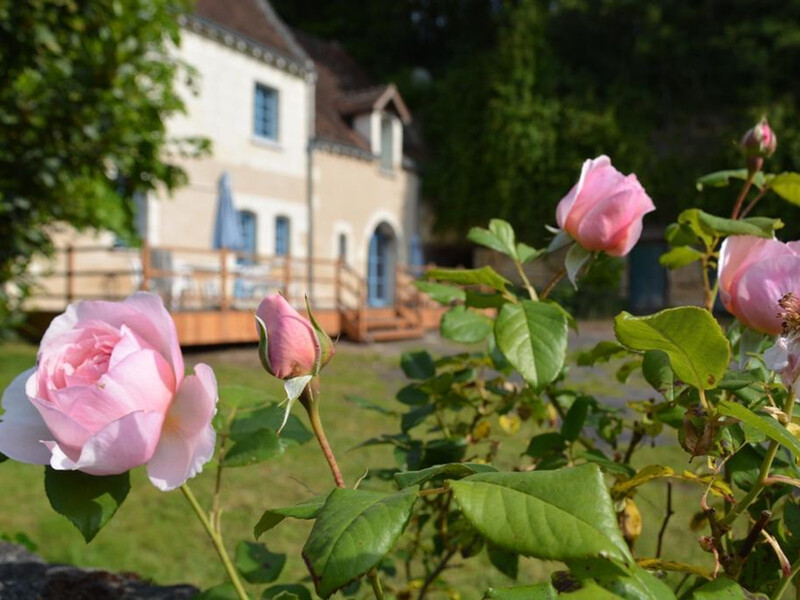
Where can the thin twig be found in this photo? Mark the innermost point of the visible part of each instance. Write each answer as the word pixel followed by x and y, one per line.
pixel 667 516
pixel 755 200
pixel 552 283
pixel 310 401
pixel 375 581
pixel 436 572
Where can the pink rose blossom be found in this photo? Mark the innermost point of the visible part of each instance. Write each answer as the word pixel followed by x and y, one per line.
pixel 754 274
pixel 294 348
pixel 109 394
pixel 604 210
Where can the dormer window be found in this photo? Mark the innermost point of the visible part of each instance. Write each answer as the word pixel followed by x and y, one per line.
pixel 266 113
pixel 387 144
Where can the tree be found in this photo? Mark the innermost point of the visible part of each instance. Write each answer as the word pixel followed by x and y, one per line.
pixel 87 89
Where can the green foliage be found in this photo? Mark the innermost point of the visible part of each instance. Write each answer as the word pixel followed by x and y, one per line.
pixel 86 500
pixel 694 342
pixel 257 564
pixel 354 530
pixel 556 515
pixel 533 337
pixel 87 91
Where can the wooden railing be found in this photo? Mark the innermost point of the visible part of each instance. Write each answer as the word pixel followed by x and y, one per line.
pixel 186 278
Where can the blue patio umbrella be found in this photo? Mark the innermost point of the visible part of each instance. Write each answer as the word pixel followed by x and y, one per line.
pixel 227 229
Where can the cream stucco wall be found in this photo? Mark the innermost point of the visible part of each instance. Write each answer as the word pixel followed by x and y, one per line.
pixel 268 178
pixel 354 197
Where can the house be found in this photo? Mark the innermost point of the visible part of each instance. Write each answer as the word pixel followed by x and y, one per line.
pixel 311 151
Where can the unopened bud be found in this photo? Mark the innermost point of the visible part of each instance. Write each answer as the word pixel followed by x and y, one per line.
pixel 758 143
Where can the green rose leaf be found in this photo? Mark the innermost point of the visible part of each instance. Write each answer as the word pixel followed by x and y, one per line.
pixel 89 501
pixel 499 237
pixel 466 326
pixel 680 257
pixel 723 178
pixel 631 583
pixel 504 561
pixel 787 186
pixel 762 423
pixel 484 276
pixel 575 418
pixel 252 448
pixel 721 588
pixel 448 471
pixel 553 515
pixel 658 372
pixel 533 337
pixel 418 365
pixel 352 534
pixel 439 292
pixel 257 564
pixel 698 350
pixel 305 510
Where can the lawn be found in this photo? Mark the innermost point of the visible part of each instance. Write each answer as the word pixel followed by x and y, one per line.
pixel 154 534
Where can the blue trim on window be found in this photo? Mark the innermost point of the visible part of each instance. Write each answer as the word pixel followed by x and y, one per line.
pixel 265 114
pixel 377 270
pixel 282 236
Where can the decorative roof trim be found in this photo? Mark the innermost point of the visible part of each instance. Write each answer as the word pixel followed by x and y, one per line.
pixel 233 39
pixel 334 147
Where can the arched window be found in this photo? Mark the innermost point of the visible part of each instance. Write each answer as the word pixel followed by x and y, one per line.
pixel 342 254
pixel 282 236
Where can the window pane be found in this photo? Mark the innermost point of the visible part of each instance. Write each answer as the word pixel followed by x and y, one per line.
pixel 281 236
pixel 265 112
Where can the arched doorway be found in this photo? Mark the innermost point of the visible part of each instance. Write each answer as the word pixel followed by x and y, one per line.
pixel 381 268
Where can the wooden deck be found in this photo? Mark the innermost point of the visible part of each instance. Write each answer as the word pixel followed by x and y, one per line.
pixel 212 294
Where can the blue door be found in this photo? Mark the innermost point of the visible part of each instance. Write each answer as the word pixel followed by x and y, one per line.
pixel 378 270
pixel 647 278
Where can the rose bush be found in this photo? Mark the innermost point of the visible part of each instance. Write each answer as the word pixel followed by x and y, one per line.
pixel 109 394
pixel 604 210
pixel 754 274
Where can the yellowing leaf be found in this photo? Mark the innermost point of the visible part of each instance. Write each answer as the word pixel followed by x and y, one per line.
pixel 510 424
pixel 668 565
pixel 643 476
pixel 481 431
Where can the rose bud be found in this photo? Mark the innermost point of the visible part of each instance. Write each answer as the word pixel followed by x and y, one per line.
pixel 754 274
pixel 758 143
pixel 290 345
pixel 109 394
pixel 604 210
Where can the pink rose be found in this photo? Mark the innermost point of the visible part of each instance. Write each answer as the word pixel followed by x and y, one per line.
pixel 754 274
pixel 604 210
pixel 109 394
pixel 759 140
pixel 295 348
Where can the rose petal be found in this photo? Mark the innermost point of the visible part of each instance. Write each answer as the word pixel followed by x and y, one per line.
pixel 568 202
pixel 120 446
pixel 22 429
pixel 177 459
pixel 187 438
pixel 737 253
pixel 164 331
pixel 761 286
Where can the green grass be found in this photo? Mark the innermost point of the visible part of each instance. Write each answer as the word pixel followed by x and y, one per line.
pixel 155 534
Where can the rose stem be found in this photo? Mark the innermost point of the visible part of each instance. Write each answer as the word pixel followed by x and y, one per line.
pixel 374 579
pixel 761 482
pixel 310 401
pixel 556 278
pixel 216 539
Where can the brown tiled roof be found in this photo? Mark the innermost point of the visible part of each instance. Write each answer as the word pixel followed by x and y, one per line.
pixel 253 19
pixel 343 90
